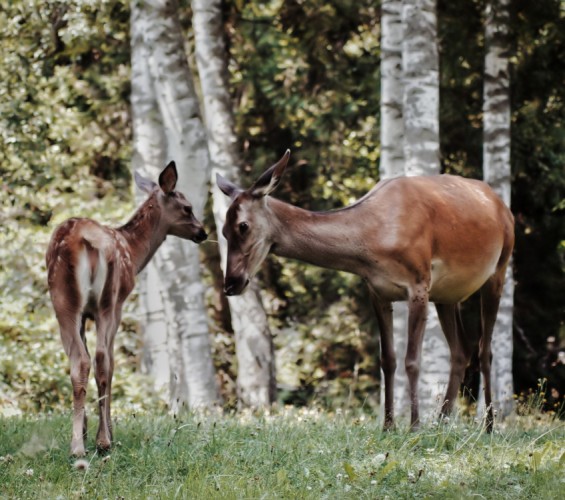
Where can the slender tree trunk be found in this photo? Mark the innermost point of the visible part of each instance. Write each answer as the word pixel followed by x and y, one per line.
pixel 392 164
pixel 420 67
pixel 193 378
pixel 392 122
pixel 256 381
pixel 420 64
pixel 149 155
pixel 497 172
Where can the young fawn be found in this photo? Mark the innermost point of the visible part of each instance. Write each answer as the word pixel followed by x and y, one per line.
pixel 91 271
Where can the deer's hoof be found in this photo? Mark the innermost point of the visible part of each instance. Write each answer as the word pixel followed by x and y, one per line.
pixel 78 450
pixel 103 445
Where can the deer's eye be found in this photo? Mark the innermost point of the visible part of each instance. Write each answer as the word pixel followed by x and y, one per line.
pixel 187 210
pixel 243 227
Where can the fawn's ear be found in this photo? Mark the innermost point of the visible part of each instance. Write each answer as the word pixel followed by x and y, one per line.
pixel 168 178
pixel 270 179
pixel 144 184
pixel 227 187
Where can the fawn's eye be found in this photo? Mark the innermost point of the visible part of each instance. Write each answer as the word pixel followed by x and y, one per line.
pixel 243 227
pixel 187 210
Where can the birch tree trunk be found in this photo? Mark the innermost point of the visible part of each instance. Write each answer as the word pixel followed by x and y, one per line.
pixel 149 156
pixel 497 172
pixel 256 381
pixel 177 262
pixel 420 64
pixel 392 122
pixel 420 69
pixel 392 164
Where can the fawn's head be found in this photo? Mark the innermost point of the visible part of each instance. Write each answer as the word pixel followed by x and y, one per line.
pixel 177 217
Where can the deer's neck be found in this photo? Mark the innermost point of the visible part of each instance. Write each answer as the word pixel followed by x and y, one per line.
pixel 327 239
pixel 144 233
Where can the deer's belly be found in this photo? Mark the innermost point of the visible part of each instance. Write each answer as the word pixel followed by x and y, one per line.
pixel 455 283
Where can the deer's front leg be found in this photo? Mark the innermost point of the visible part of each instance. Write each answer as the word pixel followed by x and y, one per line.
pixel 383 311
pixel 417 315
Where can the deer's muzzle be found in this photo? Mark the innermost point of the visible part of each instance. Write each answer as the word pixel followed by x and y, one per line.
pixel 235 285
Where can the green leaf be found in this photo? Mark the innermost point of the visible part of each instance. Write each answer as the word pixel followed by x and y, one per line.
pixel 386 470
pixel 350 471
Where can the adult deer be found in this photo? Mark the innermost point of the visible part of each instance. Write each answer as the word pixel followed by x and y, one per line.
pixel 91 271
pixel 415 239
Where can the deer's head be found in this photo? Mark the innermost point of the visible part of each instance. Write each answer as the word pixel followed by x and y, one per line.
pixel 248 229
pixel 177 218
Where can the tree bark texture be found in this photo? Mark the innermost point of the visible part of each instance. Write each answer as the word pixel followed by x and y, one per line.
pixel 256 380
pixel 149 156
pixel 418 140
pixel 421 149
pixel 392 122
pixel 497 172
pixel 420 67
pixel 177 262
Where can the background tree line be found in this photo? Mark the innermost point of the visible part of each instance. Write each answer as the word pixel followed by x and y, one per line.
pixel 303 75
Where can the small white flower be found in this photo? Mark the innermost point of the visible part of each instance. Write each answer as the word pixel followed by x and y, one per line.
pixel 379 459
pixel 29 472
pixel 81 465
pixel 373 481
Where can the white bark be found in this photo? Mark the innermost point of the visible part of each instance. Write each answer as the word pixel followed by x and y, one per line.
pixel 392 123
pixel 149 154
pixel 497 172
pixel 420 63
pixel 392 164
pixel 256 382
pixel 192 372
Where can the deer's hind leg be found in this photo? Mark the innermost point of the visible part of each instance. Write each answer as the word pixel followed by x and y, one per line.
pixel 451 324
pixel 72 336
pixel 491 292
pixel 106 326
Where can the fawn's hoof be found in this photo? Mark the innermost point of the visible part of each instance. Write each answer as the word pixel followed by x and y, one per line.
pixel 103 445
pixel 78 451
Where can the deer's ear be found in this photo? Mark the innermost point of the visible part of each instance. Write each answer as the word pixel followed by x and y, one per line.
pixel 270 178
pixel 144 184
pixel 227 187
pixel 168 178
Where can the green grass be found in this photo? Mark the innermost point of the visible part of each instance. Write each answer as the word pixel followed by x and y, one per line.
pixel 289 454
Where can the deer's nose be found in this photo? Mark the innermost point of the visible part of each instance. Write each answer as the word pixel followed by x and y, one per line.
pixel 200 236
pixel 235 285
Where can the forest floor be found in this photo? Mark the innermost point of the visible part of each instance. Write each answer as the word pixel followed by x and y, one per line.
pixel 288 453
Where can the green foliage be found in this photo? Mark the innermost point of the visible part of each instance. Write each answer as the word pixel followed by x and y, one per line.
pixel 306 79
pixel 286 454
pixel 64 132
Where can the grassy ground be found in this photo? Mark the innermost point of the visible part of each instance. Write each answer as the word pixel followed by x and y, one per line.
pixel 290 454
